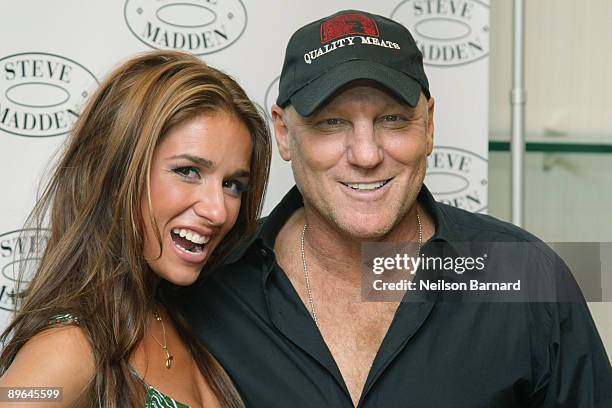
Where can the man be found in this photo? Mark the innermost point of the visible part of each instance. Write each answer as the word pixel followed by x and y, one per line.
pixel 286 317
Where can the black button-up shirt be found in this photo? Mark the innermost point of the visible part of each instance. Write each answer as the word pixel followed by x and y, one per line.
pixel 435 354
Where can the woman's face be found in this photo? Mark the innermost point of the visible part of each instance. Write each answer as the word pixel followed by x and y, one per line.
pixel 198 174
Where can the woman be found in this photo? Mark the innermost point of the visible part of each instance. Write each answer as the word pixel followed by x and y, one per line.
pixel 163 173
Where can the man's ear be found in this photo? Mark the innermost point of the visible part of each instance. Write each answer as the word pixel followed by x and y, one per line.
pixel 281 131
pixel 430 125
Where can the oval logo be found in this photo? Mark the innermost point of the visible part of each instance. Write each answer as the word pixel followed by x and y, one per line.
pixel 271 95
pixel 18 249
pixel 10 271
pixel 448 33
pixel 197 26
pixel 42 95
pixel 458 177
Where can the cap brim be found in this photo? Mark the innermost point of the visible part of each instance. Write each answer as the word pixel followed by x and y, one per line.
pixel 314 94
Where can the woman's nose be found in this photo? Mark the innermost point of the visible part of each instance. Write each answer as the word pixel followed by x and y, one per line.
pixel 211 205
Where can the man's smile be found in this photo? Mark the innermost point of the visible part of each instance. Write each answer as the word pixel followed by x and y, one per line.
pixel 366 186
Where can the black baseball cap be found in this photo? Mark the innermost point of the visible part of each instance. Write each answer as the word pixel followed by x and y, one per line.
pixel 327 54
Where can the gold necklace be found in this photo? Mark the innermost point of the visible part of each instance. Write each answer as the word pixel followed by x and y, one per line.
pixel 313 311
pixel 169 356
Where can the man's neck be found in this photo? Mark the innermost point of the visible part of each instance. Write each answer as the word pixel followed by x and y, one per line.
pixel 340 255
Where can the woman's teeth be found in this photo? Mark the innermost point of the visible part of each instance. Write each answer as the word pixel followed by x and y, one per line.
pixel 191 236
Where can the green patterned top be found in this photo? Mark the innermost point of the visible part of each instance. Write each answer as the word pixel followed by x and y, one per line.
pixel 155 398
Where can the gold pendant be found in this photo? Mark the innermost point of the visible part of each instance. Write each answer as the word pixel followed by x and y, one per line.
pixel 169 358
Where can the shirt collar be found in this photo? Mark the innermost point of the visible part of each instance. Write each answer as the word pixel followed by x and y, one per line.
pixel 269 227
pixel 273 223
pixel 445 229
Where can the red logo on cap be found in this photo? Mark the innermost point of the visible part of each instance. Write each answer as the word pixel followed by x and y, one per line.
pixel 348 24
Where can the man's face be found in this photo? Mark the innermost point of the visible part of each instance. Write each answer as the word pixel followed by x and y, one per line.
pixel 360 160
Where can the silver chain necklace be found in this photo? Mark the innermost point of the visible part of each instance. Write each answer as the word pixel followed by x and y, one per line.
pixel 307 277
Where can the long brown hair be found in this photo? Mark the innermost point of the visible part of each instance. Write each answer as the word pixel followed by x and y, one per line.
pixel 93 264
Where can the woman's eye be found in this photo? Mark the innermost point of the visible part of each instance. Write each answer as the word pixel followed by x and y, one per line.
pixel 235 187
pixel 187 172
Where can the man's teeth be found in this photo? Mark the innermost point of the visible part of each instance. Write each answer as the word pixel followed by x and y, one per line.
pixel 191 235
pixel 366 186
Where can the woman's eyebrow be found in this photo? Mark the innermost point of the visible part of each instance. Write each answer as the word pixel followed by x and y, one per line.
pixel 205 163
pixel 242 173
pixel 208 164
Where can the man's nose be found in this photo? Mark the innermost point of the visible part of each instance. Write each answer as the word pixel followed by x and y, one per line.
pixel 210 205
pixel 364 146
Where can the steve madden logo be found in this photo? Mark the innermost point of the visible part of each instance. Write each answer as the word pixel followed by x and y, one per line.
pixel 270 96
pixel 347 42
pixel 198 26
pixel 19 250
pixel 42 94
pixel 448 32
pixel 458 177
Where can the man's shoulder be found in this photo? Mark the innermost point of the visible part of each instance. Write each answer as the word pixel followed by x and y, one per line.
pixel 513 253
pixel 231 289
pixel 243 246
pixel 243 267
pixel 482 227
pixel 478 228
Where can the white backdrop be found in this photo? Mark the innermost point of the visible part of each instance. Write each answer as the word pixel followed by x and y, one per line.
pixel 53 53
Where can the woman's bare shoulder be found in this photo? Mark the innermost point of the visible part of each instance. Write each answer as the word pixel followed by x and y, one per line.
pixel 60 356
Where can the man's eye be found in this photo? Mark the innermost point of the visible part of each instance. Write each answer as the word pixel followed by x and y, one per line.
pixel 392 118
pixel 235 187
pixel 332 122
pixel 187 172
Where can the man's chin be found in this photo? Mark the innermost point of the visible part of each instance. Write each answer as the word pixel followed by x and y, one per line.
pixel 367 231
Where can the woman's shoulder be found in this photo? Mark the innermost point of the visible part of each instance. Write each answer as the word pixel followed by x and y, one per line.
pixel 59 356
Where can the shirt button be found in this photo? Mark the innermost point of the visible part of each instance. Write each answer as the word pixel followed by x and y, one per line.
pixel 263 253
